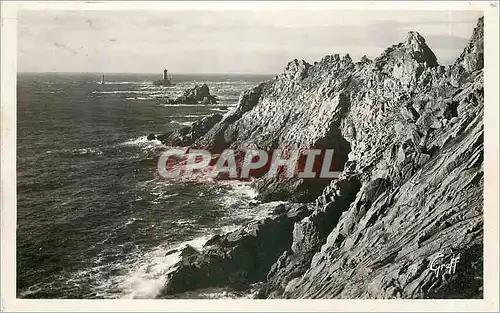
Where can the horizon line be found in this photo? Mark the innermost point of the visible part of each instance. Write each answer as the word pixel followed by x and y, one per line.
pixel 159 73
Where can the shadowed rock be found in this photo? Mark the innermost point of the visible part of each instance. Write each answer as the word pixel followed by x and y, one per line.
pixel 238 258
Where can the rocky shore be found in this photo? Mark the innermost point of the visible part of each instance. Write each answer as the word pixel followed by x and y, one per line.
pixel 408 135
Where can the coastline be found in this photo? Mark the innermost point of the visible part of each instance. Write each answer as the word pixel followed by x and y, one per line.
pixel 413 129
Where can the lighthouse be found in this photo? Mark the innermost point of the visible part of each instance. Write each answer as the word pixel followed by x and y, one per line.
pixel 166 81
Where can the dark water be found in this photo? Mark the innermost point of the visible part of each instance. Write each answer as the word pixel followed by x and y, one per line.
pixel 93 219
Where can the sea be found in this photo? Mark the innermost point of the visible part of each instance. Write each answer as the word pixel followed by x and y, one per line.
pixel 94 220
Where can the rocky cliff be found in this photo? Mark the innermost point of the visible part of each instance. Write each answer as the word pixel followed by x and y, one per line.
pixel 409 135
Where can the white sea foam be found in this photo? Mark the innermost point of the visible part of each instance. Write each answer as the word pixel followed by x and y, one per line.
pixel 147 277
pixel 181 123
pixel 187 116
pixel 152 87
pixel 142 142
pixel 232 82
pixel 229 228
pixel 242 189
pixel 182 222
pixel 182 105
pixel 237 200
pixel 197 242
pixel 80 151
pixel 31 290
pixel 114 91
pixel 127 83
pixel 131 221
pixel 138 92
pixel 219 110
pixel 146 280
pixel 138 98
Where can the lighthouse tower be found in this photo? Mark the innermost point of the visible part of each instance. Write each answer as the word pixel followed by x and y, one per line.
pixel 166 81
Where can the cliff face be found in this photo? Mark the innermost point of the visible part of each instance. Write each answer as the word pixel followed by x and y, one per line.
pixel 418 144
pixel 306 107
pixel 410 133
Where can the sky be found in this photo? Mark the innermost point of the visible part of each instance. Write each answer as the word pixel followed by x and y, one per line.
pixel 224 41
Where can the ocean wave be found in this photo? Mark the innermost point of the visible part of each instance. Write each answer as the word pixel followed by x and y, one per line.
pixel 147 279
pixel 161 195
pixel 77 152
pixel 31 290
pixel 227 98
pixel 232 82
pixel 154 183
pixel 182 105
pixel 114 91
pixel 242 189
pixel 239 194
pixel 219 110
pixel 186 116
pixel 131 221
pixel 140 275
pixel 181 123
pixel 237 201
pixel 127 83
pixel 142 142
pixel 220 293
pixel 139 92
pixel 182 222
pixel 138 98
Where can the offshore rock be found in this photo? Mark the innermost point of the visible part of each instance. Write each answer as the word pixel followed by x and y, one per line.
pixel 199 94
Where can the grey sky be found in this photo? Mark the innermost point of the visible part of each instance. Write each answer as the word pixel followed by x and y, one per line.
pixel 223 41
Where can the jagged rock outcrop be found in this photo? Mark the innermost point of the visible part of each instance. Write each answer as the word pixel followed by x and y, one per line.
pixel 310 234
pixel 419 156
pixel 409 138
pixel 305 106
pixel 238 258
pixel 199 94
pixel 186 136
pixel 472 58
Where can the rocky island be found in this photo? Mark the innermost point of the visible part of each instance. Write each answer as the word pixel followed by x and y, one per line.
pixel 199 94
pixel 408 133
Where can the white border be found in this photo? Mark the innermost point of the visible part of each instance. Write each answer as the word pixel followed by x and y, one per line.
pixel 8 167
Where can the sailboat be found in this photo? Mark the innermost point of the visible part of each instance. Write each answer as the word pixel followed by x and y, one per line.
pixel 102 80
